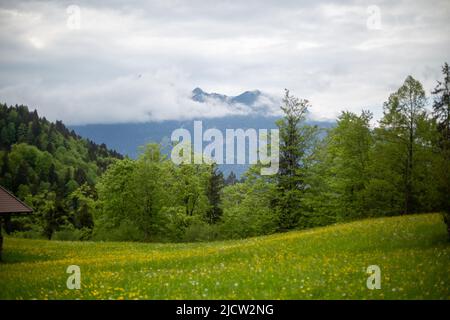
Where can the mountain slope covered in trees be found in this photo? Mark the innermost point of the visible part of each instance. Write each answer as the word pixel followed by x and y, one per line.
pixel 43 163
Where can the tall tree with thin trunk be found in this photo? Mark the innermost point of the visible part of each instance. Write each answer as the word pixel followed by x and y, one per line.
pixel 441 113
pixel 214 188
pixel 403 113
pixel 295 139
pixel 441 108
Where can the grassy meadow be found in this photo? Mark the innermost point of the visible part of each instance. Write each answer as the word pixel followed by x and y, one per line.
pixel 412 252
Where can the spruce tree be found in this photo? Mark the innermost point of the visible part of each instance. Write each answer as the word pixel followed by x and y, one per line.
pixel 214 188
pixel 441 113
pixel 295 138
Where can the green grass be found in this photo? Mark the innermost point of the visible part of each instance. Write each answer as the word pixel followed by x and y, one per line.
pixel 324 263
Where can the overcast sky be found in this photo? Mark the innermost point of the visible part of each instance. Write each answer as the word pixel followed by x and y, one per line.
pixel 139 60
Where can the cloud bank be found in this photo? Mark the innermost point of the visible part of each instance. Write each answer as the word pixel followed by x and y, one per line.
pixel 138 60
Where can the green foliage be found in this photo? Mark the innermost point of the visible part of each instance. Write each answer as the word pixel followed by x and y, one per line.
pixel 404 113
pixel 248 209
pixel 70 233
pixel 339 178
pixel 124 231
pixel 215 185
pixel 83 204
pixel 394 168
pixel 81 190
pixel 43 163
pixel 162 200
pixel 295 143
pixel 200 231
pixel 33 232
pixel 441 114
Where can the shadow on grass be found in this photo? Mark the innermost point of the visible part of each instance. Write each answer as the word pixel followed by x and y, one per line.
pixel 11 257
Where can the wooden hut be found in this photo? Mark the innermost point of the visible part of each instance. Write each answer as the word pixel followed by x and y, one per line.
pixel 9 205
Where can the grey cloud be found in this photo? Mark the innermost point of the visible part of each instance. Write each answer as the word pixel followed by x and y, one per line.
pixel 321 50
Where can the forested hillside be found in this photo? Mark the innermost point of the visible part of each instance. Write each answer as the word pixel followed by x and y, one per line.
pixel 43 163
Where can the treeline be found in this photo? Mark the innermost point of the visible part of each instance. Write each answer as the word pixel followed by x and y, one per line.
pixel 43 163
pixel 358 170
pixel 355 170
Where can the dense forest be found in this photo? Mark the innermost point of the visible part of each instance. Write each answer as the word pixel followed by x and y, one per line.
pixel 45 164
pixel 80 190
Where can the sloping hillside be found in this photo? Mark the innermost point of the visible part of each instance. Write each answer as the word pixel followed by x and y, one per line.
pixel 43 163
pixel 412 252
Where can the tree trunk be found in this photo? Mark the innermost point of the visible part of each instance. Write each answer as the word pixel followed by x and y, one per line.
pixel 409 168
pixel 1 240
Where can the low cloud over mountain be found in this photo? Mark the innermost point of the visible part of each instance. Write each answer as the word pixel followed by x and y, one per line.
pixel 248 102
pixel 140 61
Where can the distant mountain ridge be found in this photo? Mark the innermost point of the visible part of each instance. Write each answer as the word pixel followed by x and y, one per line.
pixel 126 138
pixel 253 102
pixel 247 98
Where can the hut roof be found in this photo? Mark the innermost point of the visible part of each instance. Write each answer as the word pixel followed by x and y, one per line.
pixel 10 204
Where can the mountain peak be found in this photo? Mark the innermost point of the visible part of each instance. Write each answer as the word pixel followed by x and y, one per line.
pixel 197 91
pixel 247 98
